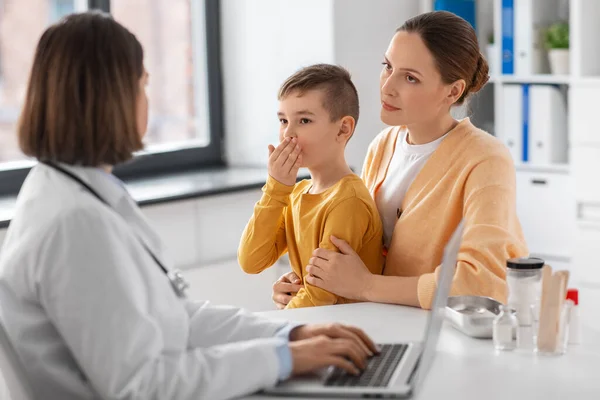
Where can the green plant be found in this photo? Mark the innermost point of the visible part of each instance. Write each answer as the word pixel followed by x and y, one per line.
pixel 557 36
pixel 490 38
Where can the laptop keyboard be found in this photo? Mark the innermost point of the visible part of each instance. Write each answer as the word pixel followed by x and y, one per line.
pixel 378 372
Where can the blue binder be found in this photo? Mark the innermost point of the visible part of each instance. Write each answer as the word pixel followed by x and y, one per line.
pixel 463 8
pixel 508 37
pixel 525 132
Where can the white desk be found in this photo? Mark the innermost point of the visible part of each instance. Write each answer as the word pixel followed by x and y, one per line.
pixel 466 368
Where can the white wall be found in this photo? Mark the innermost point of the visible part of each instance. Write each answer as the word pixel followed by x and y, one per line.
pixel 264 41
pixel 362 32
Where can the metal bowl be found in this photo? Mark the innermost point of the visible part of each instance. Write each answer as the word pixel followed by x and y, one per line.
pixel 473 315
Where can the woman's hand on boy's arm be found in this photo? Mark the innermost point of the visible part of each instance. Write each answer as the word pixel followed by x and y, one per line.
pixel 284 161
pixel 342 273
pixel 346 275
pixel 336 266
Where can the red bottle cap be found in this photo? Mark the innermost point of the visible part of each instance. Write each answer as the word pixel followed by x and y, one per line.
pixel 573 294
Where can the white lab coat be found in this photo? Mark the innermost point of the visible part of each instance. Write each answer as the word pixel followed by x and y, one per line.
pixel 91 315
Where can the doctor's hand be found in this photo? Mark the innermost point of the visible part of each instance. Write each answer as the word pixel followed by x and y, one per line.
pixel 284 161
pixel 348 351
pixel 285 288
pixel 335 331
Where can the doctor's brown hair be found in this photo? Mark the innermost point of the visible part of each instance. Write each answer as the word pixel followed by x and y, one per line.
pixel 80 106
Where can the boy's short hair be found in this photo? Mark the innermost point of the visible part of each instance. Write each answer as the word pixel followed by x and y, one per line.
pixel 81 102
pixel 340 95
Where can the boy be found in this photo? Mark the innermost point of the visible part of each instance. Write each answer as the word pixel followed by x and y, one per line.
pixel 318 110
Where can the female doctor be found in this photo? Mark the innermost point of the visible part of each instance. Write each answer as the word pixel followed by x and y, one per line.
pixel 86 295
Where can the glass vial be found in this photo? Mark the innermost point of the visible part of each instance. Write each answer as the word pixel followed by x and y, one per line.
pixel 505 327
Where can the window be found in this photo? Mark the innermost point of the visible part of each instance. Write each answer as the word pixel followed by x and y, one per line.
pixel 173 36
pixel 20 29
pixel 60 8
pixel 181 48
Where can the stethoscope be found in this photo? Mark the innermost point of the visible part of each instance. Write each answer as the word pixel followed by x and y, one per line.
pixel 178 282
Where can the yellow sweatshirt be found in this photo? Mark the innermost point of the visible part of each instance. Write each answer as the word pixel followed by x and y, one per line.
pixel 289 219
pixel 470 175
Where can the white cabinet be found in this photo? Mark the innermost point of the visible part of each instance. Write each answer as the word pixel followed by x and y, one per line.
pixel 226 283
pixel 175 223
pixel 204 230
pixel 586 171
pixel 586 258
pixel 546 209
pixel 583 100
pixel 220 224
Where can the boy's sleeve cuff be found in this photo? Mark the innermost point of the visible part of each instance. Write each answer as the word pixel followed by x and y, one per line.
pixel 277 190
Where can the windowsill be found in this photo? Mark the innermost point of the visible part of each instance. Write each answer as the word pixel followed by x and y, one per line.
pixel 176 187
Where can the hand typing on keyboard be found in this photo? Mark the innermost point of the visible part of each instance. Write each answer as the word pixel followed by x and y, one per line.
pixel 322 345
pixel 378 372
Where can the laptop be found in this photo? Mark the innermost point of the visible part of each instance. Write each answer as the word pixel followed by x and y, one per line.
pixel 399 370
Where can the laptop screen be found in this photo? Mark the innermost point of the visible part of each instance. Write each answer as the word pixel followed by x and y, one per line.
pixel 438 307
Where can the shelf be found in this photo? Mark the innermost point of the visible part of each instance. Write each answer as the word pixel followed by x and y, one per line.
pixel 552 168
pixel 546 79
pixel 535 79
pixel 586 80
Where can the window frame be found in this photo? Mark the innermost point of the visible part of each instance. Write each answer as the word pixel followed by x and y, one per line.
pixel 175 161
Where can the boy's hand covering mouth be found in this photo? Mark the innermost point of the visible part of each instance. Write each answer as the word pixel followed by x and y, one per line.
pixel 285 161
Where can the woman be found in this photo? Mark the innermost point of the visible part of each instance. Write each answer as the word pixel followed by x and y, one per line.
pixel 85 296
pixel 426 173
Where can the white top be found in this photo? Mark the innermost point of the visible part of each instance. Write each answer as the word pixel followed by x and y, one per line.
pixel 406 163
pixel 91 315
pixel 470 369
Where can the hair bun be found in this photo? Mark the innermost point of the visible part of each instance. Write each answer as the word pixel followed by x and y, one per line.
pixel 481 77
